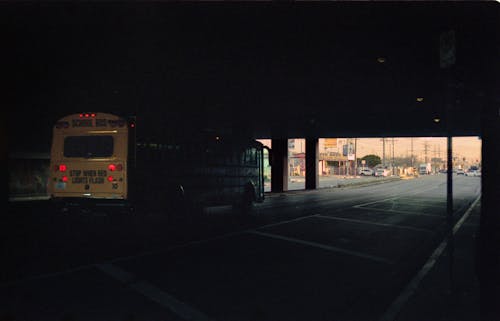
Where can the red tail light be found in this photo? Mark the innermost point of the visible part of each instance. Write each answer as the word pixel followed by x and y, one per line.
pixel 64 178
pixel 110 178
pixel 87 115
pixel 113 167
pixel 61 168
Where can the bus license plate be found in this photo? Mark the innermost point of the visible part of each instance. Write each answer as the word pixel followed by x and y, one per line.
pixel 60 185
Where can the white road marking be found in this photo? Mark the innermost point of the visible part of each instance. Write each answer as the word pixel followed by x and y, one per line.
pixel 287 221
pixel 322 246
pixel 398 196
pixel 153 293
pixel 375 223
pixel 396 306
pixel 375 202
pixel 397 211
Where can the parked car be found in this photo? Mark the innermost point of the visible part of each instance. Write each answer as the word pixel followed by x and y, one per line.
pixel 460 171
pixel 382 172
pixel 365 172
pixel 473 172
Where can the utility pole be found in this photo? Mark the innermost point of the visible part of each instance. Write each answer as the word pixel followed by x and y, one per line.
pixel 392 165
pixel 411 153
pixel 355 156
pixel 383 152
pixel 426 150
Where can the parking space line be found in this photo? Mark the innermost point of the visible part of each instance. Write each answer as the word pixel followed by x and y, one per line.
pixel 374 202
pixel 322 246
pixel 396 306
pixel 375 223
pixel 288 221
pixel 420 204
pixel 397 196
pixel 405 201
pixel 153 293
pixel 397 212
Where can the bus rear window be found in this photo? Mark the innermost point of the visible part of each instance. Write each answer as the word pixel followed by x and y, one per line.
pixel 88 146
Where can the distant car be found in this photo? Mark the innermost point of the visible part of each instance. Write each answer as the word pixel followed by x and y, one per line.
pixel 460 172
pixel 381 172
pixel 473 172
pixel 366 172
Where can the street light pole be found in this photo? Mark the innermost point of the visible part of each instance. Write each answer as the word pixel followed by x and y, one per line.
pixel 355 156
pixel 393 169
pixel 383 152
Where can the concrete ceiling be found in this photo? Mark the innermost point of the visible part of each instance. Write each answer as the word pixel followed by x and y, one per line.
pixel 265 69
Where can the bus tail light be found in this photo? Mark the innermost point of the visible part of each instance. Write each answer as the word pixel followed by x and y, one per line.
pixel 64 179
pixel 110 178
pixel 113 167
pixel 61 168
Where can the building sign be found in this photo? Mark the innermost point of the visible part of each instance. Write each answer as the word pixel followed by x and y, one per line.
pixel 330 143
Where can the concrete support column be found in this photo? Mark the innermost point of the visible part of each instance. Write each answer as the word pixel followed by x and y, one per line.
pixel 312 156
pixel 488 255
pixel 279 165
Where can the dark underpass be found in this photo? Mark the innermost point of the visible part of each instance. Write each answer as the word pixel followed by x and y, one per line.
pixel 310 231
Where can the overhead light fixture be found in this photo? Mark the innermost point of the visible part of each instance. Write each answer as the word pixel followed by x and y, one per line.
pixel 437 119
pixel 381 60
pixel 420 99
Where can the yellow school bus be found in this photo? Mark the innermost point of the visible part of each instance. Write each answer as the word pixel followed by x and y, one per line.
pixel 98 159
pixel 89 157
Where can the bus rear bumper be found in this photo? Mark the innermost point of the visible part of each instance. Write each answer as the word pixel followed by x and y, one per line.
pixel 67 204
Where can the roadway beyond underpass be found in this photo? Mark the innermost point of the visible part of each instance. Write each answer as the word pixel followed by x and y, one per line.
pixel 329 254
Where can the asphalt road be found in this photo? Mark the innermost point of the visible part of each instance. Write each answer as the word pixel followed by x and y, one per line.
pixel 330 254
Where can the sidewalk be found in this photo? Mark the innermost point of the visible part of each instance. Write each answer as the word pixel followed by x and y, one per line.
pixel 432 299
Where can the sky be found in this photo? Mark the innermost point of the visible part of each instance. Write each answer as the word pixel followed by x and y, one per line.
pixel 469 147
